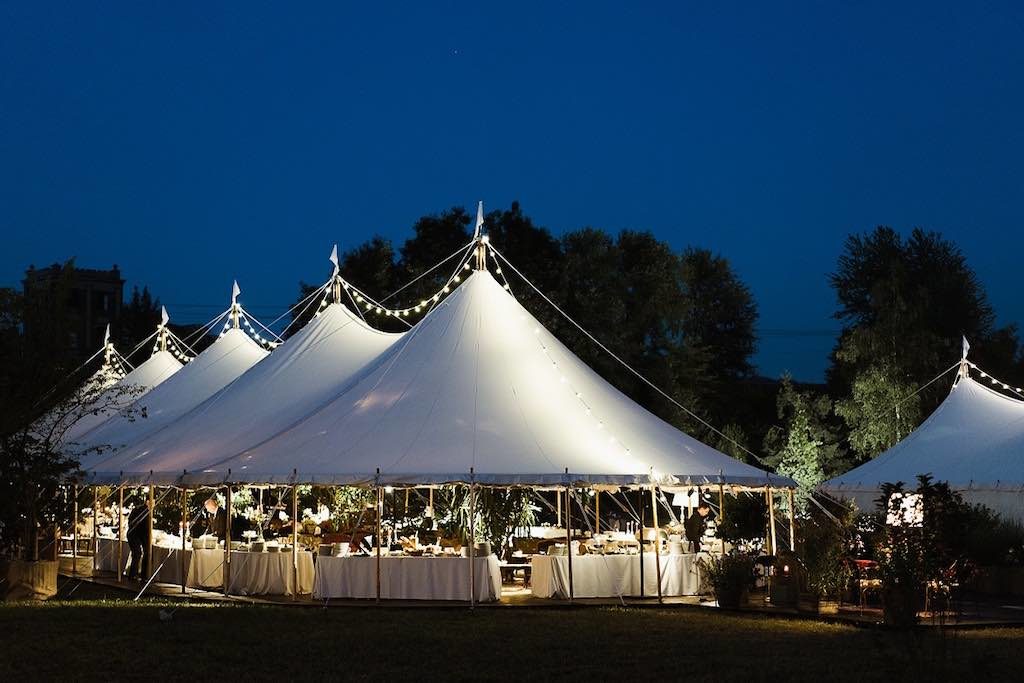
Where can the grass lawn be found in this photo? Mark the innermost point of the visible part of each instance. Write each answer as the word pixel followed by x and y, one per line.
pixel 115 640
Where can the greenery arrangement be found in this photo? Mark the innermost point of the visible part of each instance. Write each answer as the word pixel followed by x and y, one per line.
pixel 728 576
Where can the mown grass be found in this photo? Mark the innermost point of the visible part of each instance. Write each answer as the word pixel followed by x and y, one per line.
pixel 97 639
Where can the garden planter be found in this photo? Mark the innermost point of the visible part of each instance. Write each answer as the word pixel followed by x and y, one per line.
pixel 732 597
pixel 29 580
pixel 900 606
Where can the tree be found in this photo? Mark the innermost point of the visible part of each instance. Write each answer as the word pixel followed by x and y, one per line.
pixel 904 305
pixel 806 447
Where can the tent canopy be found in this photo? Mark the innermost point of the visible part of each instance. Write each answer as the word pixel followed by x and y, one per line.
pixel 228 357
pixel 478 391
pixel 309 369
pixel 974 441
pixel 123 393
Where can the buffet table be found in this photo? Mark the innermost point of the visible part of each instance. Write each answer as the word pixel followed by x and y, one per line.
pixel 607 576
pixel 252 573
pixel 407 578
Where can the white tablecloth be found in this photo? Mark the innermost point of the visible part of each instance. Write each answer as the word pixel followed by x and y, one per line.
pixel 252 573
pixel 608 576
pixel 106 555
pixel 407 578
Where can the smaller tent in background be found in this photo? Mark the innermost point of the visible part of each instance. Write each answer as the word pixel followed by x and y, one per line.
pixel 223 362
pixel 121 394
pixel 974 441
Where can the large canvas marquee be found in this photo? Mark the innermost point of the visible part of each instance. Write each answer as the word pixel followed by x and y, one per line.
pixel 224 361
pixel 974 441
pixel 478 391
pixel 123 393
pixel 311 367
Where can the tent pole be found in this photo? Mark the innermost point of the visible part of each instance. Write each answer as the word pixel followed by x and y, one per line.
pixel 640 491
pixel 568 539
pixel 227 540
pixel 558 509
pixel 792 522
pixel 771 519
pixel 721 514
pixel 95 528
pixel 657 540
pixel 295 536
pixel 472 539
pixel 149 528
pixel 597 512
pixel 380 511
pixel 121 532
pixel 184 534
pixel 74 533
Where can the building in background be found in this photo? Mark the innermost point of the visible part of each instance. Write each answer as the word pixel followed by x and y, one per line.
pixel 94 301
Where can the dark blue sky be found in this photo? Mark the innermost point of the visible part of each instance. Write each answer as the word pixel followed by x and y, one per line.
pixel 193 144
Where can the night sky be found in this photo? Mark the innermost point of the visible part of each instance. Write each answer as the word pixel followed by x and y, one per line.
pixel 196 143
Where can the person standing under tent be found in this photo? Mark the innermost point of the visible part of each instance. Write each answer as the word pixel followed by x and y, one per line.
pixel 696 524
pixel 138 537
pixel 216 519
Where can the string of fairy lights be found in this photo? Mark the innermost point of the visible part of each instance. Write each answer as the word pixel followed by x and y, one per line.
pixel 995 382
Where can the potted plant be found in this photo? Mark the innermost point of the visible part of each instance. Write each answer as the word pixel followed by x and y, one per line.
pixel 729 577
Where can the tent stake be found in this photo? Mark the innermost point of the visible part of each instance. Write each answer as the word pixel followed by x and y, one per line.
pixel 657 541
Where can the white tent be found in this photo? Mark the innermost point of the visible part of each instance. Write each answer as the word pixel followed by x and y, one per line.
pixel 121 394
pixel 312 367
pixel 974 441
pixel 477 391
pixel 224 361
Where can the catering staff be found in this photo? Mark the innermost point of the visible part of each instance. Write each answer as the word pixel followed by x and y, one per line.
pixel 216 519
pixel 138 537
pixel 696 523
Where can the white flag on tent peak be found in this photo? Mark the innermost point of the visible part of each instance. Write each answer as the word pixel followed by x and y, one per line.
pixel 163 316
pixel 479 219
pixel 334 258
pixel 966 348
pixel 235 291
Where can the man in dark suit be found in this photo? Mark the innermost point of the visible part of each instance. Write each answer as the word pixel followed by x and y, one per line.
pixel 216 519
pixel 695 525
pixel 138 538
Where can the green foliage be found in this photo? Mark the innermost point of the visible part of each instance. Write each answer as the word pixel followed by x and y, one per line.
pixel 728 576
pixel 744 519
pixel 498 513
pixel 825 546
pixel 807 446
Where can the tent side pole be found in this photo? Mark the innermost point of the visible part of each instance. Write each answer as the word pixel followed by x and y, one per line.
pixel 121 533
pixel 568 539
pixel 641 537
pixel 149 529
pixel 295 537
pixel 597 512
pixel 792 521
pixel 95 528
pixel 380 512
pixel 472 540
pixel 74 532
pixel 771 519
pixel 657 540
pixel 227 541
pixel 721 514
pixel 184 535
